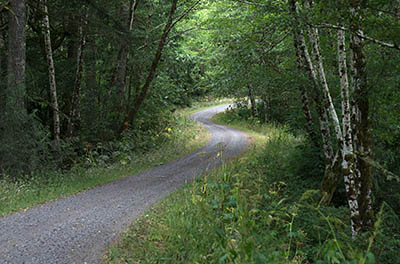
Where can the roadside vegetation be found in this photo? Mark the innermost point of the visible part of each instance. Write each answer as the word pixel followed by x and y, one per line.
pixel 262 207
pixel 90 91
pixel 108 161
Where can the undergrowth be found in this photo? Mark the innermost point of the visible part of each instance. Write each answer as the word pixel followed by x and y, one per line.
pixel 260 208
pixel 106 161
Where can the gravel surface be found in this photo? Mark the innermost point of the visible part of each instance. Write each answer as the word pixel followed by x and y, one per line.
pixel 78 229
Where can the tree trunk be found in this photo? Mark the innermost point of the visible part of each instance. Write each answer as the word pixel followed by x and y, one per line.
pixel 330 179
pixel 305 100
pixel 91 81
pixel 362 134
pixel 74 114
pixel 119 76
pixel 266 109
pixel 152 71
pixel 252 100
pixel 16 56
pixel 314 37
pixel 348 163
pixel 3 69
pixel 137 73
pixel 52 74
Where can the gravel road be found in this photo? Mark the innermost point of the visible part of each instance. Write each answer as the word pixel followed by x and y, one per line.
pixel 78 229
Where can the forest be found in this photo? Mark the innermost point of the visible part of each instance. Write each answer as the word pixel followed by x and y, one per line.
pixel 95 85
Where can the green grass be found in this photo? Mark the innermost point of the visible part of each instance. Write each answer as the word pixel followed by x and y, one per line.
pixel 260 208
pixel 184 136
pixel 207 221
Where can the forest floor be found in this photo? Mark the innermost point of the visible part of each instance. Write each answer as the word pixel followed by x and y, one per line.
pixel 78 228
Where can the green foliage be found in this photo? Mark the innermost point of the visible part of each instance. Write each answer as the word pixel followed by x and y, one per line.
pixel 25 146
pixel 256 209
pixel 98 164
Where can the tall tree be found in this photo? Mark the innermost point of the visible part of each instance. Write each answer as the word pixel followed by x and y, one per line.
pixel 362 133
pixel 119 76
pixel 329 182
pixel 74 114
pixel 16 55
pixel 349 169
pixel 52 73
pixel 140 97
pixel 3 65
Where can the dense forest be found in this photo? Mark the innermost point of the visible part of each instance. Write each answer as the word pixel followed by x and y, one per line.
pixel 83 79
pixel 79 72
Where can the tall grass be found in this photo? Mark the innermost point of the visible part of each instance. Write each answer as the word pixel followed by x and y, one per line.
pixel 260 208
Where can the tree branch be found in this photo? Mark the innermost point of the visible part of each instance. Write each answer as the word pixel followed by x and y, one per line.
pixel 185 13
pixel 389 175
pixel 250 3
pixel 376 41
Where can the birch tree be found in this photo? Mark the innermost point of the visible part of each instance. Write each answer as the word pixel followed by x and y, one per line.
pixel 52 74
pixel 353 135
pixel 305 64
pixel 348 163
pixel 362 133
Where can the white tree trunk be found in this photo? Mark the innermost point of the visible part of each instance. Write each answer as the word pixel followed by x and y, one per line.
pixel 52 74
pixel 305 100
pixel 329 182
pixel 323 117
pixel 362 134
pixel 348 163
pixel 314 37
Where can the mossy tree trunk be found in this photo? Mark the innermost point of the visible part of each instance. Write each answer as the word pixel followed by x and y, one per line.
pixel 362 133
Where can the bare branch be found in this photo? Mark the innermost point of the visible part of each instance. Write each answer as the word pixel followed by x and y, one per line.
pixel 389 175
pixel 249 3
pixel 185 13
pixel 376 41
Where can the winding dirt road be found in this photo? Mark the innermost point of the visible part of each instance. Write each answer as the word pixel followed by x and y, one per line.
pixel 78 229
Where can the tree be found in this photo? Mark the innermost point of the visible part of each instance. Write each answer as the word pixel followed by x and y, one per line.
pixel 362 133
pixel 52 73
pixel 16 56
pixel 142 91
pixel 74 114
pixel 120 71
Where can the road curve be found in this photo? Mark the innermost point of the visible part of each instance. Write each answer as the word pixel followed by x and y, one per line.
pixel 78 229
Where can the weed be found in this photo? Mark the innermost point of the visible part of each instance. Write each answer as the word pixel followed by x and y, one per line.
pixel 256 209
pixel 104 163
